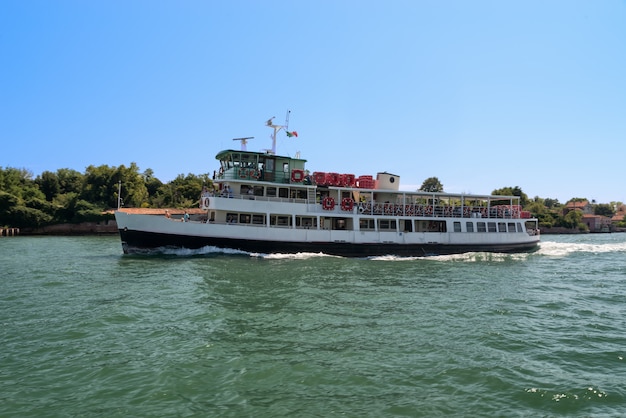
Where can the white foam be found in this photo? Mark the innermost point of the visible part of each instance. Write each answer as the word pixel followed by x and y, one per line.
pixel 562 249
pixel 296 256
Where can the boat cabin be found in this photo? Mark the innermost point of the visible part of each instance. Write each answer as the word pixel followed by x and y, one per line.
pixel 247 165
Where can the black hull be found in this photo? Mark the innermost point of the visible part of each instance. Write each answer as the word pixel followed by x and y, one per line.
pixel 138 242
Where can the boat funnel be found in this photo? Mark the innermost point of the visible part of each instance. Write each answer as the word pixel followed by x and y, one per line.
pixel 387 181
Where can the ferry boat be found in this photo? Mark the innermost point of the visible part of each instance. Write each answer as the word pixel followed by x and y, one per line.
pixel 266 203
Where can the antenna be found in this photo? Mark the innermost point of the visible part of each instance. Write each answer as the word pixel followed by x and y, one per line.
pixel 244 141
pixel 277 128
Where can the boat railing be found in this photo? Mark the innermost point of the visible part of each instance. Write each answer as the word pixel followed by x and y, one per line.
pixel 438 211
pixel 252 174
pixel 262 198
pixel 393 209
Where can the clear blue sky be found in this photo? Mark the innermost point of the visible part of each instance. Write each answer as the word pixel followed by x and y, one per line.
pixel 481 94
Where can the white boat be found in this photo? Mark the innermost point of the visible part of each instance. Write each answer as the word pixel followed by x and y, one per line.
pixel 267 203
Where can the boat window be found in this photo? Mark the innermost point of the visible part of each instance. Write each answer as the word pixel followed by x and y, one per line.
pixel 457 226
pixel 248 161
pixel 511 226
pixel 306 222
pixel 481 227
pixel 244 218
pixel 258 219
pixel 387 224
pixel 285 167
pixel 520 228
pixel 367 224
pixel 501 227
pixel 298 194
pixel 236 157
pixel 271 192
pixel 470 226
pixel 280 220
pixel 491 226
pixel 283 192
pixel 340 223
pixel 231 218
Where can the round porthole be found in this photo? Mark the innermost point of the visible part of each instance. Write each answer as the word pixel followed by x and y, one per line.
pixel 392 180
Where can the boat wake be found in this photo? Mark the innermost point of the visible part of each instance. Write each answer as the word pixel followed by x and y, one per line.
pixel 296 256
pixel 546 249
pixel 211 250
pixel 187 252
pixel 563 249
pixel 469 257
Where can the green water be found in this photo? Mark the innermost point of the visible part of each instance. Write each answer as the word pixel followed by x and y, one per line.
pixel 88 332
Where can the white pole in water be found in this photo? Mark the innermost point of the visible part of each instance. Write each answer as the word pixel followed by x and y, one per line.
pixel 119 195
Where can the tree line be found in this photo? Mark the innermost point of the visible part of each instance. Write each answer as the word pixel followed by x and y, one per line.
pixel 68 196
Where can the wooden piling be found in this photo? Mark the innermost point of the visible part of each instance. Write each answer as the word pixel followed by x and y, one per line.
pixel 9 232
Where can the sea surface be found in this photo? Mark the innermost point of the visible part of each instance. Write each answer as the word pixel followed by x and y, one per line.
pixel 86 331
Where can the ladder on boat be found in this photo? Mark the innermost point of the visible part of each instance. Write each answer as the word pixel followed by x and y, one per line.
pixel 311 196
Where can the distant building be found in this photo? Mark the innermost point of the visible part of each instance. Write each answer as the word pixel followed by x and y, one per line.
pixel 618 217
pixel 597 223
pixel 583 206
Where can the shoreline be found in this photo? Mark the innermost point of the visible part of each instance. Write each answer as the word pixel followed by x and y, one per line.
pixel 110 228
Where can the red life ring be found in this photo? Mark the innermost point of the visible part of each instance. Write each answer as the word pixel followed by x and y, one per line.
pixel 297 175
pixel 319 178
pixel 347 204
pixel 328 203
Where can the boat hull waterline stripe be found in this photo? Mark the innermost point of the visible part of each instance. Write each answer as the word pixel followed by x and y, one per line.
pixel 140 241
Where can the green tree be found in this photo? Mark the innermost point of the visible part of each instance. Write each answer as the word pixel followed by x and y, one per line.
pixel 512 191
pixel 603 209
pixel 431 184
pixel 542 213
pixel 22 216
pixel 573 219
pixel 134 190
pixel 185 190
pixel 551 203
pixel 48 183
pixel 152 183
pixel 99 185
pixel 16 180
pixel 70 181
pixel 66 207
